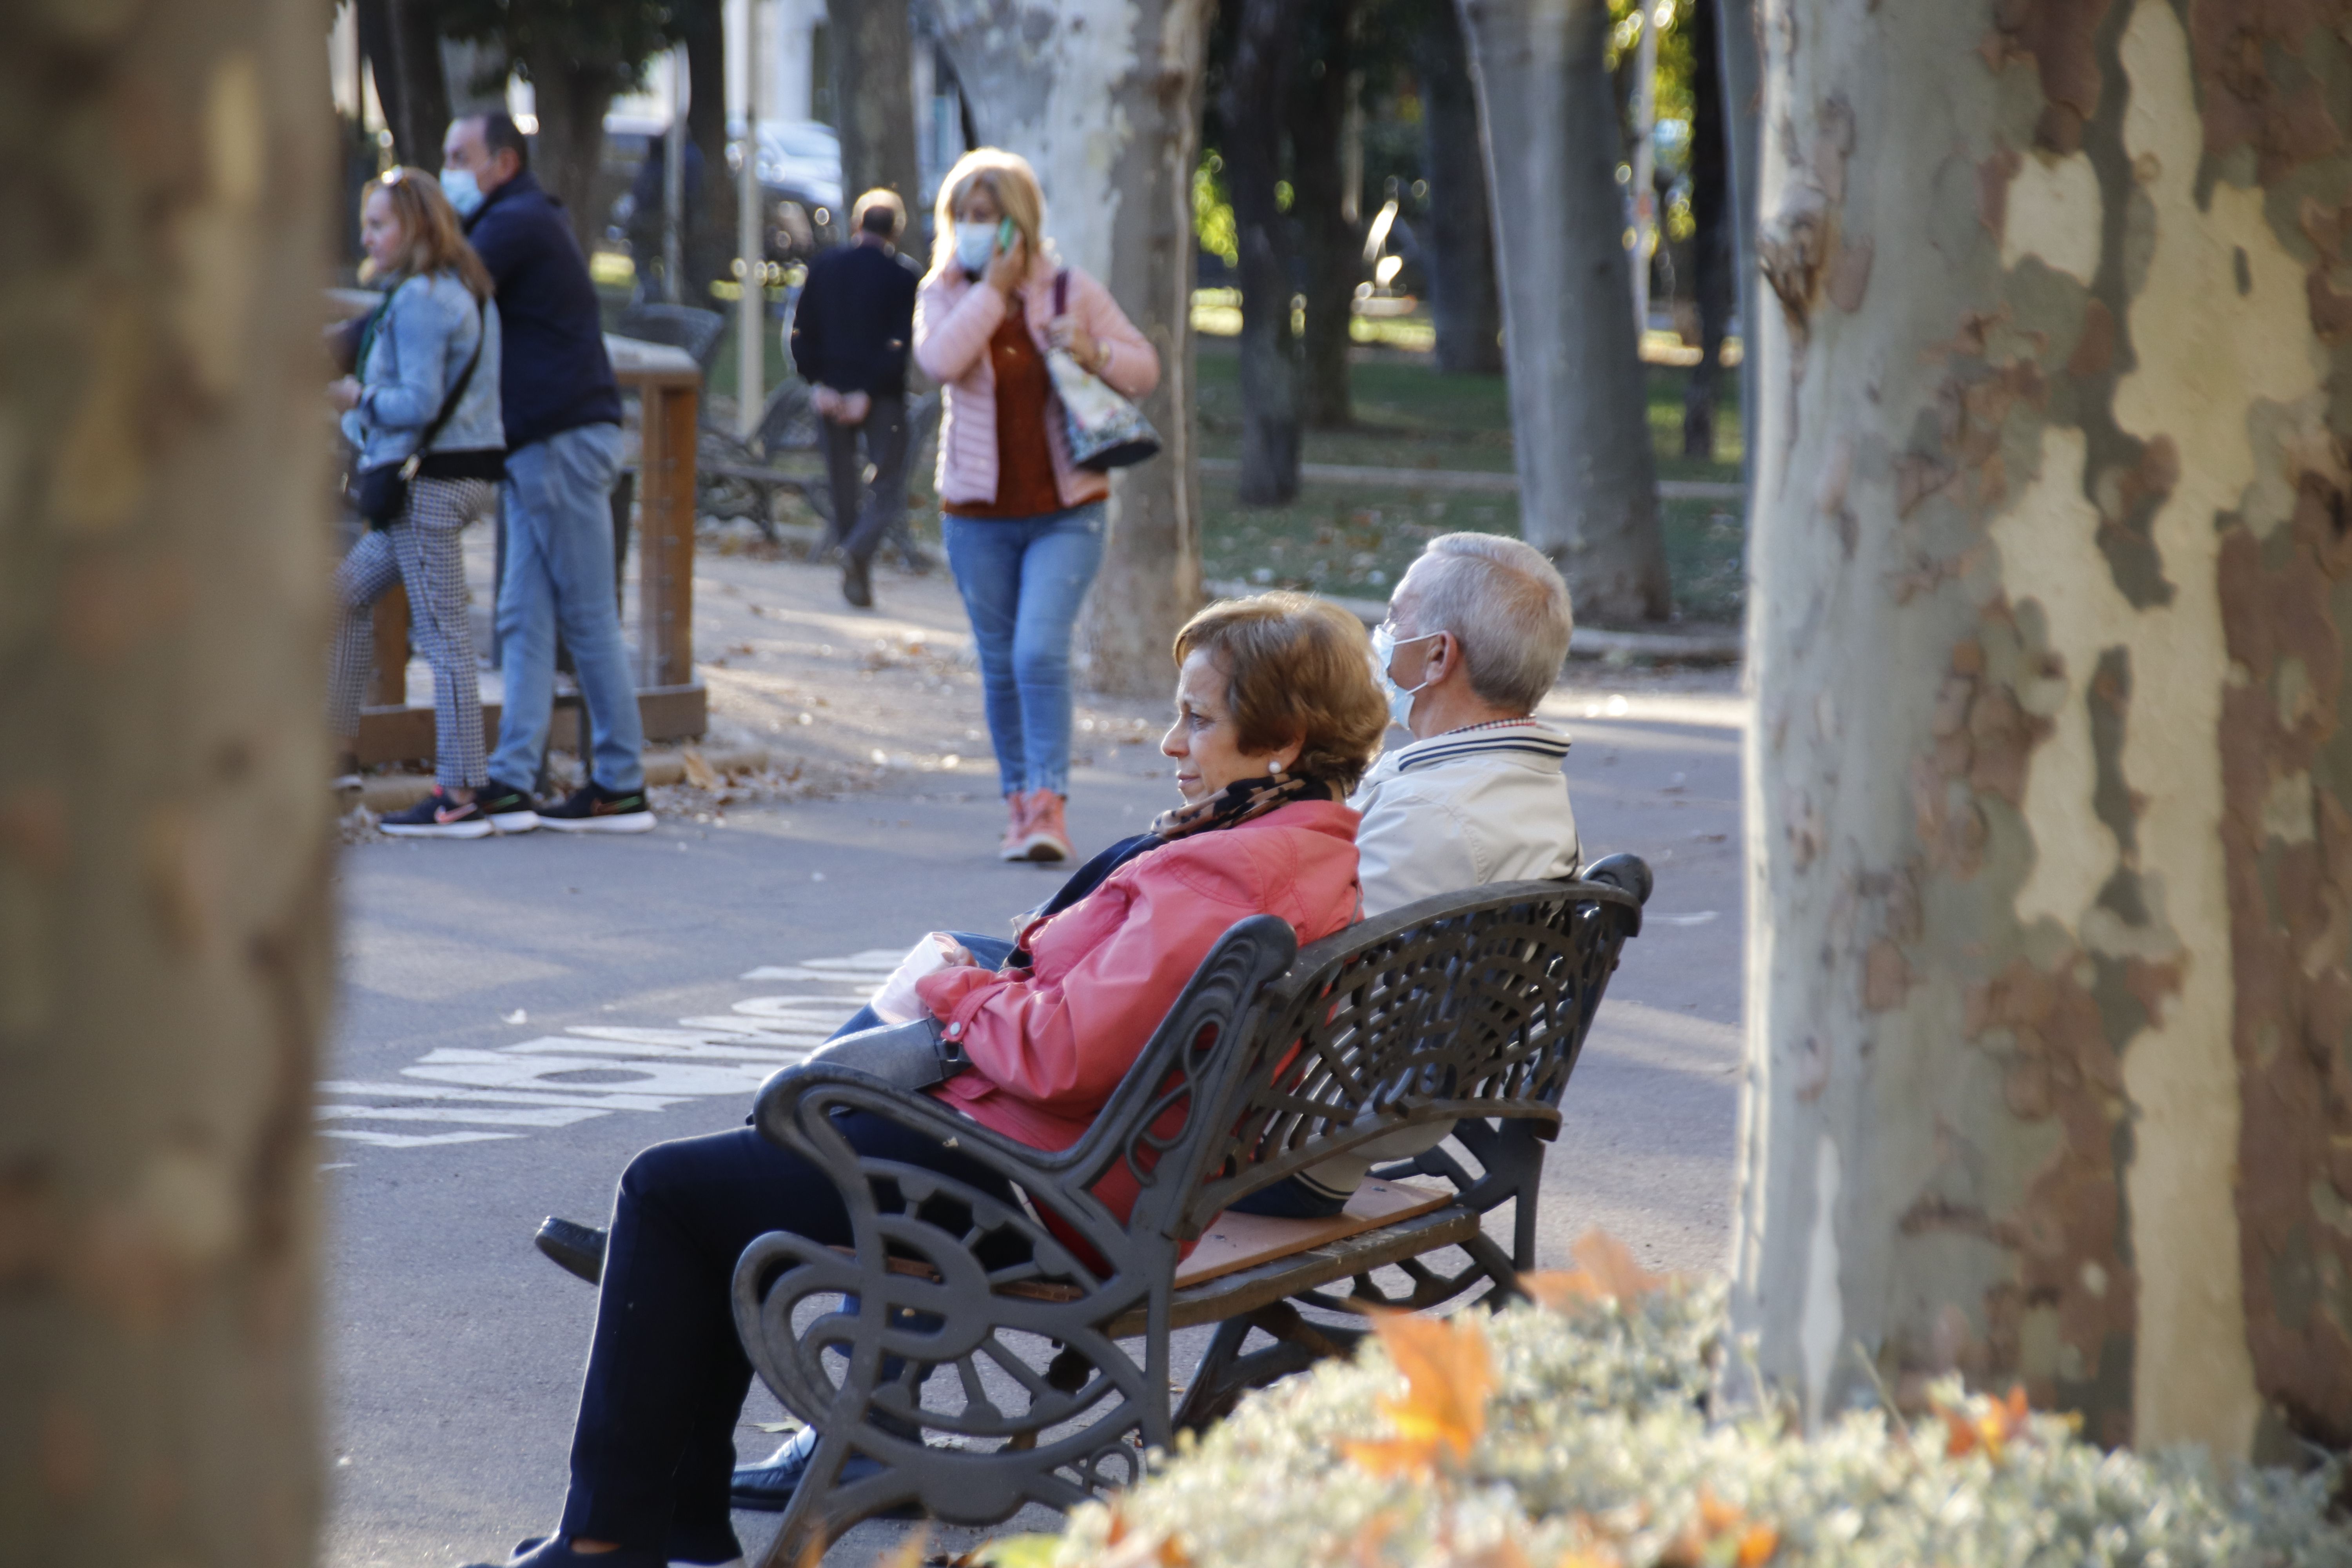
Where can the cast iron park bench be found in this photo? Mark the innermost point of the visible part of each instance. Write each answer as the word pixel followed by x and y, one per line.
pixel 1053 1341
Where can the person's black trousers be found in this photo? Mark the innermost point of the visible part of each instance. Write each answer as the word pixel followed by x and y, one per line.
pixel 653 1446
pixel 863 516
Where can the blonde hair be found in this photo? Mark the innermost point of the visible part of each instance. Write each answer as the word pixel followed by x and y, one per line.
pixel 1005 175
pixel 1297 668
pixel 429 224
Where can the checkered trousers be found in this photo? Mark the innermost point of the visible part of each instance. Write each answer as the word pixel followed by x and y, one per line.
pixel 420 551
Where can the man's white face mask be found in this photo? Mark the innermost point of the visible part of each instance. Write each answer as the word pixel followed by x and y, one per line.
pixel 465 192
pixel 1384 647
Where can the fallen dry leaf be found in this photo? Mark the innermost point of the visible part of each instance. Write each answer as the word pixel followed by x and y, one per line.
pixel 1993 1431
pixel 698 773
pixel 1607 1271
pixel 1448 1376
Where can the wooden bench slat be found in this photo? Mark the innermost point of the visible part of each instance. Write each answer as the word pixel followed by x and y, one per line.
pixel 1231 1295
pixel 1239 1241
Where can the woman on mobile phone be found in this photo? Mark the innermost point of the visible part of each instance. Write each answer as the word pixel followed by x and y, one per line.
pixel 1023 523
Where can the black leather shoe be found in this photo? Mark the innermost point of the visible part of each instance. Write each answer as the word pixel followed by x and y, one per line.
pixel 711 1553
pixel 575 1248
pixel 856 583
pixel 768 1488
pixel 555 1552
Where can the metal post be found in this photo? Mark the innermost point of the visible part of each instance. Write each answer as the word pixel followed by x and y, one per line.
pixel 674 182
pixel 1646 193
pixel 751 335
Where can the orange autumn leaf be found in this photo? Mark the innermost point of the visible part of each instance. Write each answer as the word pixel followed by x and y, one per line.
pixel 1756 1544
pixel 1606 1269
pixel 1993 1431
pixel 1716 1516
pixel 1448 1376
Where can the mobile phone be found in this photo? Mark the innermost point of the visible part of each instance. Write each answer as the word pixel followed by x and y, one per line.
pixel 1005 234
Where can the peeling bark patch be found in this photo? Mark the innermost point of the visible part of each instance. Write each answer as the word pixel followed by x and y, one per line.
pixel 2255 89
pixel 1994 175
pixel 2059 37
pixel 1850 276
pixel 2067 1235
pixel 2290 892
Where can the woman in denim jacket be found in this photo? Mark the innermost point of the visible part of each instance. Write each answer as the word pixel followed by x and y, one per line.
pixel 436 316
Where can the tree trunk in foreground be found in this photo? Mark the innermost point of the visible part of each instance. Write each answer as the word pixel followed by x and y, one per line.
pixel 1331 247
pixel 1713 248
pixel 165 928
pixel 874 100
pixel 1588 479
pixel 1458 250
pixel 2050 786
pixel 1252 105
pixel 1109 113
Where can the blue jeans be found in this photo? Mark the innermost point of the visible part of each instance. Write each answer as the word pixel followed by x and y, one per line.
pixel 558 515
pixel 1023 579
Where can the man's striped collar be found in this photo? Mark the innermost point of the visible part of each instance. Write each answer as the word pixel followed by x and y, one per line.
pixel 1496 736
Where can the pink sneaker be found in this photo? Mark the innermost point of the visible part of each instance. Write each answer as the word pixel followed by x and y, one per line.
pixel 1047 837
pixel 1016 833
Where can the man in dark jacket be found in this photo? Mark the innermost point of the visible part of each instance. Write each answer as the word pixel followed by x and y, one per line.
pixel 562 412
pixel 849 337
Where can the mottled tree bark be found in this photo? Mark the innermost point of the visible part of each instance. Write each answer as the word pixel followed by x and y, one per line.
pixel 1331 247
pixel 164 828
pixel 1458 250
pixel 1714 248
pixel 2050 790
pixel 1252 107
pixel 1109 113
pixel 1588 479
pixel 874 97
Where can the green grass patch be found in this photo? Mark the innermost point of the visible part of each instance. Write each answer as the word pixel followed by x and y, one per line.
pixel 1356 540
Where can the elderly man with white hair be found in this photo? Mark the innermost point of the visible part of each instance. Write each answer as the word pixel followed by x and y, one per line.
pixel 1477 631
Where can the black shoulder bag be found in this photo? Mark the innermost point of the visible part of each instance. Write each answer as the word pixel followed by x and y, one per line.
pixel 380 494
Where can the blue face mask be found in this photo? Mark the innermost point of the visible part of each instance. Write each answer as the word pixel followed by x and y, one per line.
pixel 974 244
pixel 464 192
pixel 1384 647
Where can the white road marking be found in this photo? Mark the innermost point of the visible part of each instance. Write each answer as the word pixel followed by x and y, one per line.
pixel 594 1070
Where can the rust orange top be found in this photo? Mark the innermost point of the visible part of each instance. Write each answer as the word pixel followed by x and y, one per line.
pixel 1025 486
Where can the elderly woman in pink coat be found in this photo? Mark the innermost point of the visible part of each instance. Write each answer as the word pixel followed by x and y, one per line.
pixel 1023 523
pixel 1277 717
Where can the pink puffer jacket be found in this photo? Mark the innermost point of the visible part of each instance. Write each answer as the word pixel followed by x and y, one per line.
pixel 1048 1046
pixel 954 318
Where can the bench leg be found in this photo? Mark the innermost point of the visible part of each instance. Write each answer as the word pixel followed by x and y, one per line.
pixel 1225 1373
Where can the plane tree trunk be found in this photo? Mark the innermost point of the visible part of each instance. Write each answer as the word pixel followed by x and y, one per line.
pixel 1331 247
pixel 1458 250
pixel 1714 245
pixel 1588 478
pixel 1118 192
pixel 873 98
pixel 403 42
pixel 165 834
pixel 571 97
pixel 709 239
pixel 1252 107
pixel 2050 782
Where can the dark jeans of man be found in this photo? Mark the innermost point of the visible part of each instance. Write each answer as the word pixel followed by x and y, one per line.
pixel 653 1446
pixel 862 519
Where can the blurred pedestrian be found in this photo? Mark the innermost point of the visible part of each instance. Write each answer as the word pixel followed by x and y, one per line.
pixel 850 334
pixel 428 380
pixel 1023 523
pixel 563 433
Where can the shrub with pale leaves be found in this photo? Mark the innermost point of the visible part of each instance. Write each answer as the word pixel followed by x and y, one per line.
pixel 1584 1430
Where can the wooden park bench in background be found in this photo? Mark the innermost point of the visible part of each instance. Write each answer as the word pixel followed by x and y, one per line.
pixel 1050 1321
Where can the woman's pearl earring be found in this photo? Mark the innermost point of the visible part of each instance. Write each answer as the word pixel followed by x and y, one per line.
pixel 1275 768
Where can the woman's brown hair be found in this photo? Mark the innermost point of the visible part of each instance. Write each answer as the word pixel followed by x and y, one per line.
pixel 436 242
pixel 1297 668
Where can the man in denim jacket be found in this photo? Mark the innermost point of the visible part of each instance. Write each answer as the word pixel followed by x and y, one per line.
pixel 562 412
